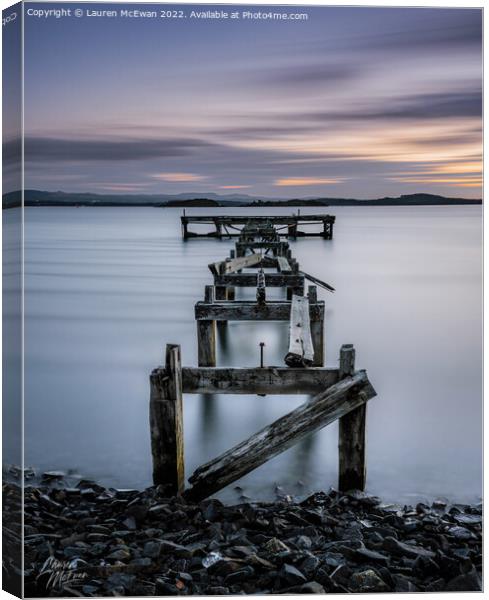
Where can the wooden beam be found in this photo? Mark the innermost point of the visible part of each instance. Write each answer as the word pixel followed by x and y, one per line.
pixel 317 281
pixel 248 310
pixel 166 423
pixel 352 471
pixel 277 245
pixel 233 264
pixel 252 221
pixel 267 380
pixel 283 265
pixel 314 414
pixel 250 280
pixel 301 350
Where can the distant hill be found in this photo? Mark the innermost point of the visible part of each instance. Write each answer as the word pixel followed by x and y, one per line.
pixel 42 198
pixel 403 200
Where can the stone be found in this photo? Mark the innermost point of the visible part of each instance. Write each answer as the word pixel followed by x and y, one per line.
pixel 275 546
pixel 370 556
pixel 291 575
pixel 460 533
pixel 239 576
pixel 368 581
pixel 467 582
pixel 129 523
pixel 120 554
pixel 218 590
pixel 402 549
pixel 404 584
pixel 152 549
pixel 312 587
pixel 468 519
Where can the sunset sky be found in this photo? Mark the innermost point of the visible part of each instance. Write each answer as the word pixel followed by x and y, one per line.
pixel 353 102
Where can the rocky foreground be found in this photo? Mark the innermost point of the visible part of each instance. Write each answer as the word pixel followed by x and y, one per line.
pixel 93 541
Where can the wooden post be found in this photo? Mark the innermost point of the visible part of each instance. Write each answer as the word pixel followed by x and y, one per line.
pixel 261 290
pixel 352 469
pixel 317 330
pixel 221 294
pixel 206 334
pixel 166 423
pixel 185 229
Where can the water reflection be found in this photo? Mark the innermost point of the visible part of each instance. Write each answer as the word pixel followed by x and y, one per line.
pixel 106 289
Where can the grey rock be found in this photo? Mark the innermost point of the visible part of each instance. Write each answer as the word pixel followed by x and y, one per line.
pixel 402 549
pixel 404 584
pixel 120 554
pixel 240 576
pixel 217 590
pixel 291 575
pixel 152 549
pixel 370 556
pixel 467 582
pixel 312 587
pixel 368 581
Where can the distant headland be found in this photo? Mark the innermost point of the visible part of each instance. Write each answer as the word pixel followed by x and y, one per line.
pixel 43 198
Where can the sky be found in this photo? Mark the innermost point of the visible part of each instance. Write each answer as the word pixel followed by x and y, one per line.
pixel 350 102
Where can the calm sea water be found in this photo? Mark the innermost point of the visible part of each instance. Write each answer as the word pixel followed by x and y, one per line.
pixel 108 288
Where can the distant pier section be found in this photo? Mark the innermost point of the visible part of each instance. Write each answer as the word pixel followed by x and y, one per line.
pixel 285 225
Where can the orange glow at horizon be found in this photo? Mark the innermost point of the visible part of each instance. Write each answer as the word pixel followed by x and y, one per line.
pixel 178 177
pixel 294 181
pixel 234 187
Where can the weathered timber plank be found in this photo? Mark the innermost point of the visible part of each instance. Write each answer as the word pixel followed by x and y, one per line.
pixel 234 264
pixel 166 423
pixel 245 310
pixel 283 265
pixel 301 350
pixel 314 414
pixel 261 244
pixel 251 220
pixel 267 380
pixel 250 280
pixel 352 472
pixel 317 281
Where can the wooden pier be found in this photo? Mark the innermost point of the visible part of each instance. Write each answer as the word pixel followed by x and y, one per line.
pixel 338 393
pixel 284 225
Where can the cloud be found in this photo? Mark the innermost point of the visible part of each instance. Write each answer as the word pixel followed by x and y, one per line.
pixel 468 32
pixel 234 187
pixel 12 151
pixel 297 181
pixel 178 177
pixel 55 149
pixel 312 74
pixel 420 106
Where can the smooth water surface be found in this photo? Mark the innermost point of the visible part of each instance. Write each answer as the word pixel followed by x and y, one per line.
pixel 108 288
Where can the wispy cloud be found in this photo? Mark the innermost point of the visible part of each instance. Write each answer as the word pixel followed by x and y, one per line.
pixel 66 150
pixel 234 187
pixel 299 181
pixel 178 177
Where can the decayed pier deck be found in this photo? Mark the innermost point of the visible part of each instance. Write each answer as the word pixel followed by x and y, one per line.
pixel 227 226
pixel 340 392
